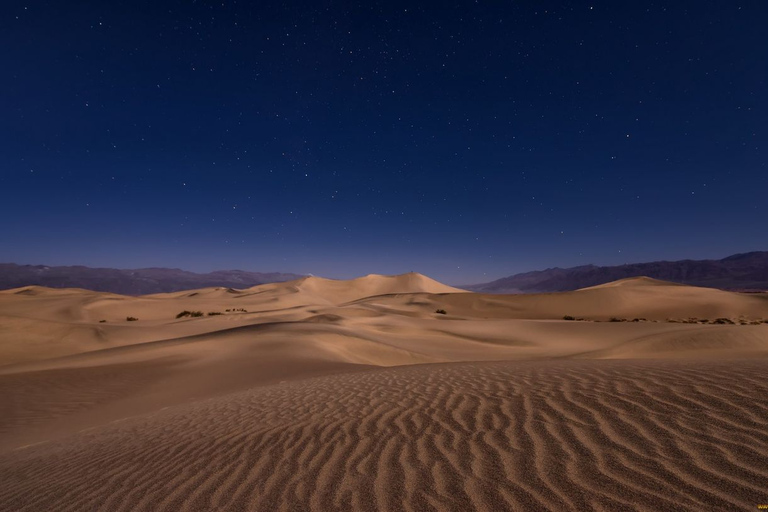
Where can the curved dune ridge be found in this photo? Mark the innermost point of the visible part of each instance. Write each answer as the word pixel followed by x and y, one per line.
pixel 333 291
pixel 339 291
pixel 566 435
pixel 384 393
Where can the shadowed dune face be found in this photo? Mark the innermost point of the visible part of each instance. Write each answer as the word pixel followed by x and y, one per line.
pixel 281 399
pixel 567 435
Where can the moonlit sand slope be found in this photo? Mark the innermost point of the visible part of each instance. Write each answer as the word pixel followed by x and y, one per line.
pixel 332 395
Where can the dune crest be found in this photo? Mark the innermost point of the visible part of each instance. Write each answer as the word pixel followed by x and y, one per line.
pixel 632 281
pixel 341 291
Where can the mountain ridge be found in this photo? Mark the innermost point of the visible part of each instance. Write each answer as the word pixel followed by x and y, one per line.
pixel 141 281
pixel 743 271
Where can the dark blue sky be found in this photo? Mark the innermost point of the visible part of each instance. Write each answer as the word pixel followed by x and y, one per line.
pixel 464 140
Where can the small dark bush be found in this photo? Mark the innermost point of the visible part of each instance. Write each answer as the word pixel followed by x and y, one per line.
pixel 214 313
pixel 569 317
pixel 614 319
pixel 183 314
pixel 723 321
pixel 441 312
pixel 102 321
pixel 130 319
pixel 639 320
pixel 765 321
pixel 196 314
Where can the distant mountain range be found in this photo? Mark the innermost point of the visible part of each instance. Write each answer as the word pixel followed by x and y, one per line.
pixel 745 272
pixel 748 271
pixel 131 282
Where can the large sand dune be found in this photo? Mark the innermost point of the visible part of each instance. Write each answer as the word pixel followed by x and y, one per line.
pixel 334 395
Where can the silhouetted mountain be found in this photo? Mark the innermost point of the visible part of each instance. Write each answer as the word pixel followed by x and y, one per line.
pixel 130 282
pixel 748 271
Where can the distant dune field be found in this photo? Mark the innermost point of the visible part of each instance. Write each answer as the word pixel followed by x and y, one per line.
pixel 318 394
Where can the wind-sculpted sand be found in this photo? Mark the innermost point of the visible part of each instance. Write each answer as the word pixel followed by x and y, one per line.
pixel 332 395
pixel 565 435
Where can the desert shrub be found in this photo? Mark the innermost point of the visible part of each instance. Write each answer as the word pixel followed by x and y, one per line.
pixel 189 313
pixel 214 313
pixel 569 317
pixel 723 321
pixel 102 321
pixel 765 321
pixel 615 319
pixel 130 319
pixel 441 312
pixel 639 319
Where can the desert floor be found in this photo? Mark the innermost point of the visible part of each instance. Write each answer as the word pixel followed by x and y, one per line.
pixel 356 395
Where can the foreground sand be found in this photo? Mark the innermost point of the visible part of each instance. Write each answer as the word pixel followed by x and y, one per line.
pixel 355 395
pixel 566 435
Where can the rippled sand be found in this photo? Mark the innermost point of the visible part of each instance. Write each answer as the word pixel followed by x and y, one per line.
pixel 566 435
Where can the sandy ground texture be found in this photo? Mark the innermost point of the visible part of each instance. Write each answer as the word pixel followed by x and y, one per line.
pixel 356 395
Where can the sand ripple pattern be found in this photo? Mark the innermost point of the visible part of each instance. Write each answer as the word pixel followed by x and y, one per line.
pixel 566 435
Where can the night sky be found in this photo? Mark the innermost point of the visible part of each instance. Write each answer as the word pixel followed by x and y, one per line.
pixel 464 140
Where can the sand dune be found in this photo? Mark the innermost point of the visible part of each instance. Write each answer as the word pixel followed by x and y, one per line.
pixel 74 321
pixel 629 298
pixel 318 394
